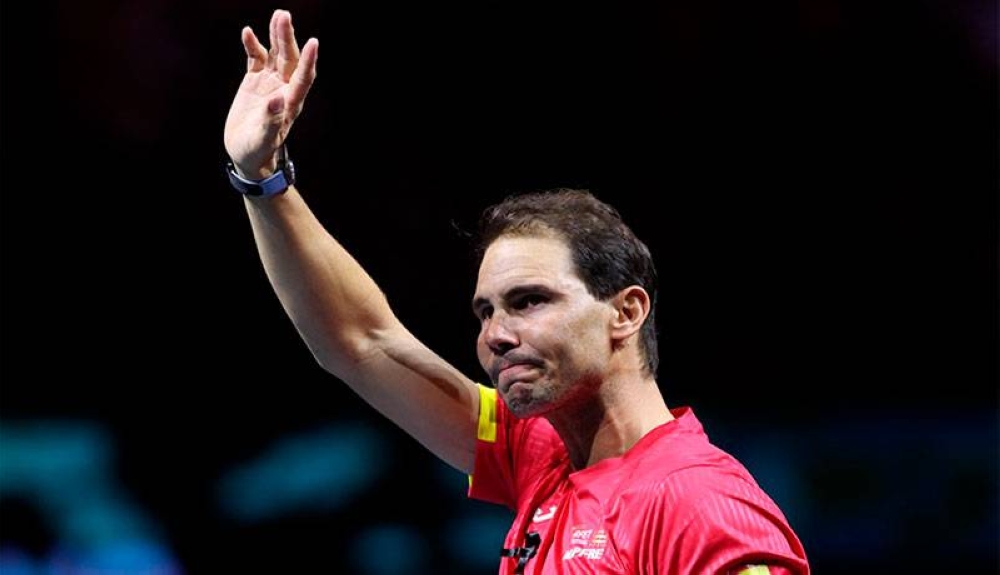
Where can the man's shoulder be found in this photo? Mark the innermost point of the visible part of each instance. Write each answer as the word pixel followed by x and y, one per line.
pixel 680 462
pixel 680 446
pixel 703 466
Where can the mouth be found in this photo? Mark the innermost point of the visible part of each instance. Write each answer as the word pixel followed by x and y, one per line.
pixel 513 374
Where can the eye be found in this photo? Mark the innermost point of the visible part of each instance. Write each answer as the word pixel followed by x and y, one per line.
pixel 484 313
pixel 529 300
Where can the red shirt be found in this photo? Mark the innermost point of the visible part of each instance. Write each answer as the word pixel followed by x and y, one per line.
pixel 672 504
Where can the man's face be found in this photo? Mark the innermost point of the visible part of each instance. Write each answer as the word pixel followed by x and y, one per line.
pixel 543 339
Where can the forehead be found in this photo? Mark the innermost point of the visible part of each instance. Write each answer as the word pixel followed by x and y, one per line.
pixel 512 260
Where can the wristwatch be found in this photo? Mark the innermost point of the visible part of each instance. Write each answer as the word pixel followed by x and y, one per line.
pixel 276 183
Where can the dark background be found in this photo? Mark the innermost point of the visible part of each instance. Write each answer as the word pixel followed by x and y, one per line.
pixel 818 181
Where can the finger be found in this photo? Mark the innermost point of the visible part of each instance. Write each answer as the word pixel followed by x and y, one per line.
pixel 288 48
pixel 273 30
pixel 256 54
pixel 304 75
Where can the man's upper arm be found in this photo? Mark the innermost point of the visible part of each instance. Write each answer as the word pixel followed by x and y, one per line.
pixel 421 393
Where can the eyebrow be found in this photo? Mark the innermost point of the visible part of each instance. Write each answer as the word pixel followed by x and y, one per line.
pixel 514 292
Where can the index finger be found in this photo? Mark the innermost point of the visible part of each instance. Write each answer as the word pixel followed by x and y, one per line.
pixel 304 75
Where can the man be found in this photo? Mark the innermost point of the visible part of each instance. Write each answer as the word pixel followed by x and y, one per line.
pixel 574 435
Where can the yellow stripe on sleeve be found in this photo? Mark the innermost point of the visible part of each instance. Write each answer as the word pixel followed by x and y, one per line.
pixel 487 430
pixel 488 415
pixel 755 570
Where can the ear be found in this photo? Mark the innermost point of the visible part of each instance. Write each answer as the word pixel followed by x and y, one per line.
pixel 631 310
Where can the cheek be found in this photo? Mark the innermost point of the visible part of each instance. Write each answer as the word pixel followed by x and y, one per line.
pixel 587 333
pixel 482 351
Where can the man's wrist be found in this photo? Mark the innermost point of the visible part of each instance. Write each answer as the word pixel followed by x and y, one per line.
pixel 276 183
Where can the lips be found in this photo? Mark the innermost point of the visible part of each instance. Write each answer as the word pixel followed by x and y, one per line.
pixel 513 373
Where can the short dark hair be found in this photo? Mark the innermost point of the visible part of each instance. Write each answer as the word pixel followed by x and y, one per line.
pixel 606 252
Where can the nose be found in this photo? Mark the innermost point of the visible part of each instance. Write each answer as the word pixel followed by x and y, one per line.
pixel 498 335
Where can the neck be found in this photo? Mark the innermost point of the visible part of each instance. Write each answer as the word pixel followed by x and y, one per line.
pixel 611 422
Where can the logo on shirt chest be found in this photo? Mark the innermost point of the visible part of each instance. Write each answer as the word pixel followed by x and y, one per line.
pixel 586 543
pixel 542 516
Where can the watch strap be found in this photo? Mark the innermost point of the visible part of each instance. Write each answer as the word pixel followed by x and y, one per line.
pixel 275 184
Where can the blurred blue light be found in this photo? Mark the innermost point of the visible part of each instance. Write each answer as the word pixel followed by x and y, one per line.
pixel 54 457
pixel 124 556
pixel 14 561
pixel 475 538
pixel 391 550
pixel 317 471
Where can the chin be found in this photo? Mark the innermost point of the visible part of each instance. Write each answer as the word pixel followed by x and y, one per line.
pixel 524 405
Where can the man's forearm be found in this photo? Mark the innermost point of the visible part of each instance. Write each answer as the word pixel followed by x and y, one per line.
pixel 332 301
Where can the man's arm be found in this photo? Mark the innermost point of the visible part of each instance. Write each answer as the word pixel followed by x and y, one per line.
pixel 337 308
